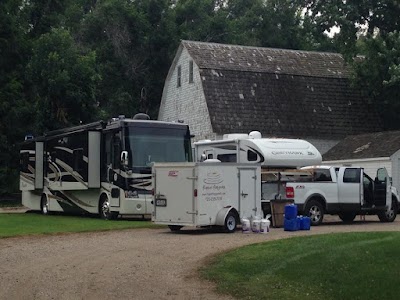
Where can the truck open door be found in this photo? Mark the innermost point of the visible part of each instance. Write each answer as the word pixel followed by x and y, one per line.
pixel 382 190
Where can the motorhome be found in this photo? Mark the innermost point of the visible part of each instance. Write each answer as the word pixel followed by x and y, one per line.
pixel 100 168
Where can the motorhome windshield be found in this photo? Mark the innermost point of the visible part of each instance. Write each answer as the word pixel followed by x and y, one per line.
pixel 157 144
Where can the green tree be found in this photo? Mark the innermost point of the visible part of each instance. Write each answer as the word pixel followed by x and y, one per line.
pixel 370 29
pixel 63 81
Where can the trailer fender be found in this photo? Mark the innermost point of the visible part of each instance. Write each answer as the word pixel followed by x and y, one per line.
pixel 221 216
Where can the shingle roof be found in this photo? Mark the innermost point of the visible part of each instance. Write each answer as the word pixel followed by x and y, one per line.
pixel 378 144
pixel 280 92
pixel 269 60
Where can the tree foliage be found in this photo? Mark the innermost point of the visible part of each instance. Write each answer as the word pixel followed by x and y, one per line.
pixel 72 61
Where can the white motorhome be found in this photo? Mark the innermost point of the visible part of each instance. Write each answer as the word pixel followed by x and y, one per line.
pixel 205 194
pixel 271 153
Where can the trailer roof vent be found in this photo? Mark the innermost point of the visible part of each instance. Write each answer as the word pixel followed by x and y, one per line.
pixel 141 116
pixel 121 117
pixel 28 137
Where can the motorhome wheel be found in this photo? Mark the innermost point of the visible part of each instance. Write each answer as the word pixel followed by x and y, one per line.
pixel 44 205
pixel 104 210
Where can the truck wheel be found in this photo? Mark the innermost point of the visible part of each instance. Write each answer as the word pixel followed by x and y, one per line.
pixel 390 215
pixel 104 210
pixel 347 217
pixel 175 227
pixel 44 205
pixel 230 222
pixel 315 211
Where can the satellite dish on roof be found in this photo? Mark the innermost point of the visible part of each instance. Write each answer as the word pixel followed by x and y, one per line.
pixel 141 116
pixel 255 135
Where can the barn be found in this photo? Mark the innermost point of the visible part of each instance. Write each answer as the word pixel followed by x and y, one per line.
pixel 219 89
pixel 370 151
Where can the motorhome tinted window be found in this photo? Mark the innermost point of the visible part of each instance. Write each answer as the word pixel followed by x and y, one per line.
pixel 351 175
pixel 148 145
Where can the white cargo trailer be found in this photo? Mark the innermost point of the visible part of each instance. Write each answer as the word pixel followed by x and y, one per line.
pixel 205 194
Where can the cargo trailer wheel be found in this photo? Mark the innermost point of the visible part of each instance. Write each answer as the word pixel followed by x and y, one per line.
pixel 44 205
pixel 315 211
pixel 389 215
pixel 104 210
pixel 230 222
pixel 175 227
pixel 347 217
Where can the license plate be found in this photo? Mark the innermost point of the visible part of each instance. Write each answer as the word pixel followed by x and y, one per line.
pixel 161 202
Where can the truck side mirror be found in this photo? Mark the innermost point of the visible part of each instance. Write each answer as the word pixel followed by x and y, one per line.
pixel 124 158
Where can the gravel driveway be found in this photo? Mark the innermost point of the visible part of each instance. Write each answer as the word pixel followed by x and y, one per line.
pixel 129 264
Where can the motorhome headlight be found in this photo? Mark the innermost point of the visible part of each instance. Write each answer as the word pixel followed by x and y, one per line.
pixel 131 194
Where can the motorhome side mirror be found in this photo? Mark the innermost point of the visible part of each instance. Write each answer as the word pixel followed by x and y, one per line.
pixel 203 157
pixel 124 158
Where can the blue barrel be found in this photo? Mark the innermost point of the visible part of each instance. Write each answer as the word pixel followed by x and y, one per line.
pixel 305 223
pixel 290 211
pixel 291 224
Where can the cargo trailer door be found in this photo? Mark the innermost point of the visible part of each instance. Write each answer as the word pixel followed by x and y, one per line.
pixel 174 194
pixel 249 192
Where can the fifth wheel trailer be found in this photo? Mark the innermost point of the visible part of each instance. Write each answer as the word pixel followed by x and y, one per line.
pixel 100 168
pixel 205 194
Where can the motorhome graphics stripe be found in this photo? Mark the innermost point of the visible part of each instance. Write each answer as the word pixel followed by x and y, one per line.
pixel 68 199
pixel 85 158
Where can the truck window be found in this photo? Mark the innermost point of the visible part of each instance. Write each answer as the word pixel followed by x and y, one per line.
pixel 322 175
pixel 352 175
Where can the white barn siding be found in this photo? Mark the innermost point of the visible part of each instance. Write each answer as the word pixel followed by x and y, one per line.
pixel 187 102
pixel 395 159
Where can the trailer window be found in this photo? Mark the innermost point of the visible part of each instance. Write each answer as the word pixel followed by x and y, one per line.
pixel 227 157
pixel 251 155
pixel 352 175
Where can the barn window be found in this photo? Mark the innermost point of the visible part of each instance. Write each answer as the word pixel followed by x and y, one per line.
pixel 179 77
pixel 191 71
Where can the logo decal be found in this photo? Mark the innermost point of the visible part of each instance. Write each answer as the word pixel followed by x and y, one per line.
pixel 173 173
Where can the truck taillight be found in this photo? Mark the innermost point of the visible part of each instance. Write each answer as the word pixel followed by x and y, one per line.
pixel 195 192
pixel 289 192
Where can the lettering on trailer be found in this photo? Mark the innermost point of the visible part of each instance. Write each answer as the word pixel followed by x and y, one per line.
pixel 213 187
pixel 291 153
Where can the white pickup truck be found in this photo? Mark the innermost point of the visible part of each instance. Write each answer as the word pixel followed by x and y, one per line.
pixel 345 191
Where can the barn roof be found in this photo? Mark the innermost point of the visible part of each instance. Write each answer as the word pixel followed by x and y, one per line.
pixel 378 144
pixel 280 92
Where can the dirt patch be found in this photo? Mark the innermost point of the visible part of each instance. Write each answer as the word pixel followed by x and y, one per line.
pixel 130 264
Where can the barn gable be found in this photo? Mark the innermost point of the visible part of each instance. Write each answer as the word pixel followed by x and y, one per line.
pixel 281 93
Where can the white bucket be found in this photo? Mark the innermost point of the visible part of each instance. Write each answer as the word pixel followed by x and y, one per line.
pixel 264 226
pixel 245 225
pixel 256 225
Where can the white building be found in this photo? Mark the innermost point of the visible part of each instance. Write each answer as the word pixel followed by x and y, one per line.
pixel 370 151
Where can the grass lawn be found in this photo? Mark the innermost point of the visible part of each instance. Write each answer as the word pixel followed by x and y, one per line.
pixel 30 223
pixel 333 266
